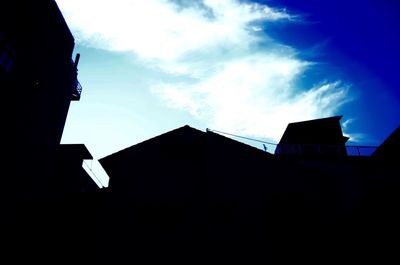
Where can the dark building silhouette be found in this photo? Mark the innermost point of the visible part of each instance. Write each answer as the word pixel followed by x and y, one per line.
pixel 389 149
pixel 321 137
pixel 71 176
pixel 192 188
pixel 60 224
pixel 188 187
pixel 38 80
pixel 186 194
pixel 46 197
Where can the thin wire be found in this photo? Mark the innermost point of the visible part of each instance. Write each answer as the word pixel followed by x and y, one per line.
pixel 247 138
pixel 93 173
pixel 252 139
pixel 357 147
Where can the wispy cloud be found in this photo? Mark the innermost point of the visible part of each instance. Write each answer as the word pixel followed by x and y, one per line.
pixel 347 123
pixel 227 70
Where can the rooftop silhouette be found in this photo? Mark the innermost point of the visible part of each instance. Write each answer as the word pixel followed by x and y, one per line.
pixel 192 186
pixel 321 137
pixel 187 193
pixel 46 196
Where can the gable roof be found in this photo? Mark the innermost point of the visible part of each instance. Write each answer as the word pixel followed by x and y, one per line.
pixel 183 143
pixel 318 131
pixel 184 132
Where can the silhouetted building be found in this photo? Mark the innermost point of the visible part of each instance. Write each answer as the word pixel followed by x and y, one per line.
pixel 61 223
pixel 38 80
pixel 183 193
pixel 202 188
pixel 390 148
pixel 192 188
pixel 48 202
pixel 321 137
pixel 69 174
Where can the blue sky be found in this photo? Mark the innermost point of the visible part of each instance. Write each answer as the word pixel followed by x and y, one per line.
pixel 244 67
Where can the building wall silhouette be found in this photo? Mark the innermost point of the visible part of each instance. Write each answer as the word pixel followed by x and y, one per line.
pixel 46 198
pixel 188 187
pixel 186 193
pixel 319 138
pixel 38 80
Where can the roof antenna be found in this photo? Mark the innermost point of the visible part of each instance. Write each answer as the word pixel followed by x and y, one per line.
pixel 76 61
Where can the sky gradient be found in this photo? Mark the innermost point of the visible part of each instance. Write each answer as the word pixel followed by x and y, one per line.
pixel 244 67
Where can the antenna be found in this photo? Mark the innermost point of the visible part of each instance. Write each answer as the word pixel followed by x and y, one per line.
pixel 76 61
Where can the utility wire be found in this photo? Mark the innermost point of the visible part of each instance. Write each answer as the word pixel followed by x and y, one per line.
pixel 247 138
pixel 93 172
pixel 348 147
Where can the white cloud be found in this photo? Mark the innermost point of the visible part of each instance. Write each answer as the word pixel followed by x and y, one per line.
pixel 265 109
pixel 347 123
pixel 227 70
pixel 160 29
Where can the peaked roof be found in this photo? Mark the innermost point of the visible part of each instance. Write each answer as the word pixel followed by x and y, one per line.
pixel 318 131
pixel 183 135
pixel 178 154
pixel 181 131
